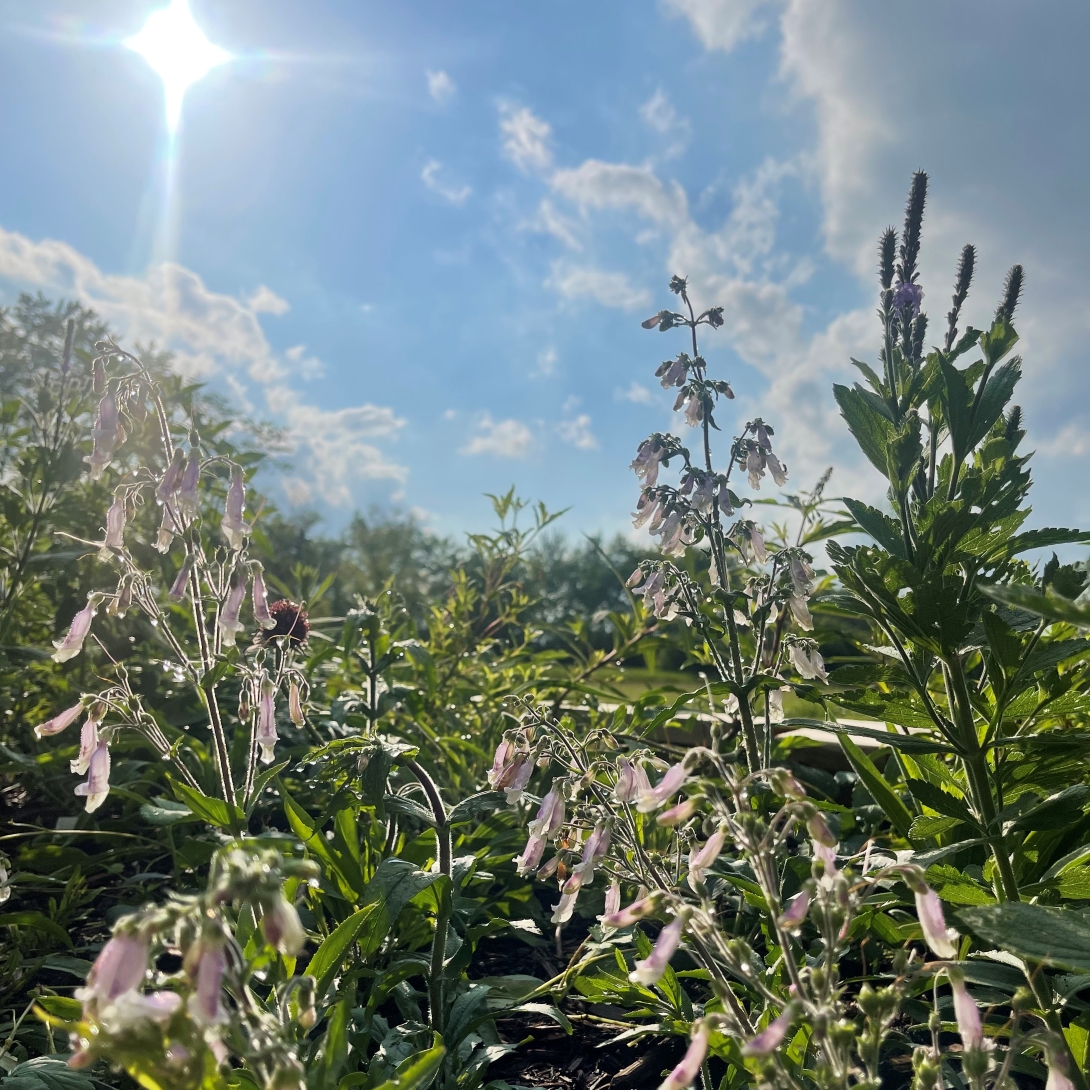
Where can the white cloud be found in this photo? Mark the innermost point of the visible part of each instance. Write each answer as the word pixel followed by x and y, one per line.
pixel 611 289
pixel 637 394
pixel 599 185
pixel 577 432
pixel 456 194
pixel 658 113
pixel 266 301
pixel 546 363
pixel 308 367
pixel 440 86
pixel 549 221
pixel 216 335
pixel 525 138
pixel 504 438
pixel 722 24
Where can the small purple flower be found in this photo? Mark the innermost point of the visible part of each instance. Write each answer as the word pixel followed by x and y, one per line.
pixel 1057 1077
pixel 694 410
pixel 626 917
pixel 563 909
pixel 88 743
pixel 205 1004
pixel 550 816
pixel 265 736
pixel 646 463
pixel 531 855
pixel 651 969
pixel 594 851
pixel 701 859
pixel 687 1072
pixel 776 468
pixel 59 722
pixel 677 814
pixel 795 912
pixel 671 783
pixel 524 769
pixel 613 901
pixel 97 786
pixel 635 579
pixel 72 644
pixel 967 1013
pixel 115 524
pixel 119 968
pixel 181 580
pixel 755 467
pixel 233 527
pixel 907 299
pixel 107 433
pixel 167 529
pixel 933 923
pixel 261 597
pixel 631 782
pixel 229 624
pixel 819 830
pixel 808 661
pixel 281 927
pixel 801 612
pixel 770 1038
pixel 189 501
pixel 169 484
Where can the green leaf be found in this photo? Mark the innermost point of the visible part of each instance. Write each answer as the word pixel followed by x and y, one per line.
pixel 476 806
pixel 35 921
pixel 908 743
pixel 995 395
pixel 943 801
pixel 871 429
pixel 213 811
pixel 1049 606
pixel 1055 936
pixel 884 530
pixel 395 884
pixel 61 1007
pixel 46 1073
pixel 403 804
pixel 419 1070
pixel 549 1011
pixel 1056 812
pixel 998 340
pixel 328 957
pixel 876 784
pixel 165 811
pixel 957 408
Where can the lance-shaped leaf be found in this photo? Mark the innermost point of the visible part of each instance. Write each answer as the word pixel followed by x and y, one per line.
pixel 872 430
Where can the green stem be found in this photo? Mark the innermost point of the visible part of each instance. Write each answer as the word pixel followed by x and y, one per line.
pixel 444 852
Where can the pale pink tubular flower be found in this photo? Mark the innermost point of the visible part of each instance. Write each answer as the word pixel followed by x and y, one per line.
pixel 88 743
pixel 687 1072
pixel 635 579
pixel 755 467
pixel 169 483
pixel 563 909
pixel 819 830
pixel 205 1004
pixel 282 929
pixel 229 624
pixel 631 782
pixel 646 463
pixel 795 912
pixel 626 917
pixel 295 704
pixel 594 851
pixel 650 970
pixel 531 855
pixel 778 471
pixel 131 1008
pixel 677 814
pixel 181 580
pixel 521 778
pixel 189 501
pixel 675 779
pixel 265 735
pixel 549 869
pixel 59 722
pixel 933 923
pixel 827 856
pixel 801 612
pixel 694 411
pixel 808 662
pixel 770 1038
pixel 261 597
pixel 72 644
pixel 550 816
pixel 613 900
pixel 233 527
pixel 701 859
pixel 757 544
pixel 967 1014
pixel 119 967
pixel 97 786
pixel 801 575
pixel 107 434
pixel 1057 1078
pixel 505 765
pixel 115 524
pixel 167 529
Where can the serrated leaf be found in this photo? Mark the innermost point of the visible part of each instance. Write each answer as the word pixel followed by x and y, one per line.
pixel 1055 936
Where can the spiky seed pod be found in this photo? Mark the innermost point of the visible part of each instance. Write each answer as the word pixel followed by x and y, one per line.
pixel 887 248
pixel 1012 289
pixel 966 265
pixel 910 237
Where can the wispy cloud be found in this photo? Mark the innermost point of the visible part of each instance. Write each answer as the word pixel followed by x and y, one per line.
pixel 440 86
pixel 659 114
pixel 577 432
pixel 723 24
pixel 525 138
pixel 637 394
pixel 611 289
pixel 430 176
pixel 503 438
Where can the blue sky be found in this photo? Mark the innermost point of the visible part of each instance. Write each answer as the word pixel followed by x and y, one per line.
pixel 421 236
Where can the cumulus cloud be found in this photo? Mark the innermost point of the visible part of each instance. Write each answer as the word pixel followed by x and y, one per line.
pixel 431 177
pixel 637 394
pixel 266 301
pixel 526 138
pixel 597 185
pixel 216 335
pixel 658 113
pixel 576 431
pixel 611 289
pixel 503 438
pixel 722 24
pixel 440 86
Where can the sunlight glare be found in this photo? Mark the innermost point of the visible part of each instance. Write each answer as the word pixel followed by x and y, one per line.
pixel 177 49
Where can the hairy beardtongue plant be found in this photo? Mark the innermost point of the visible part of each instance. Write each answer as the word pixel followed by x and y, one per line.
pixel 809 955
pixel 191 583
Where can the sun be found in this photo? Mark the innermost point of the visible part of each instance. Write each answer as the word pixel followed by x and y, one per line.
pixel 177 49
